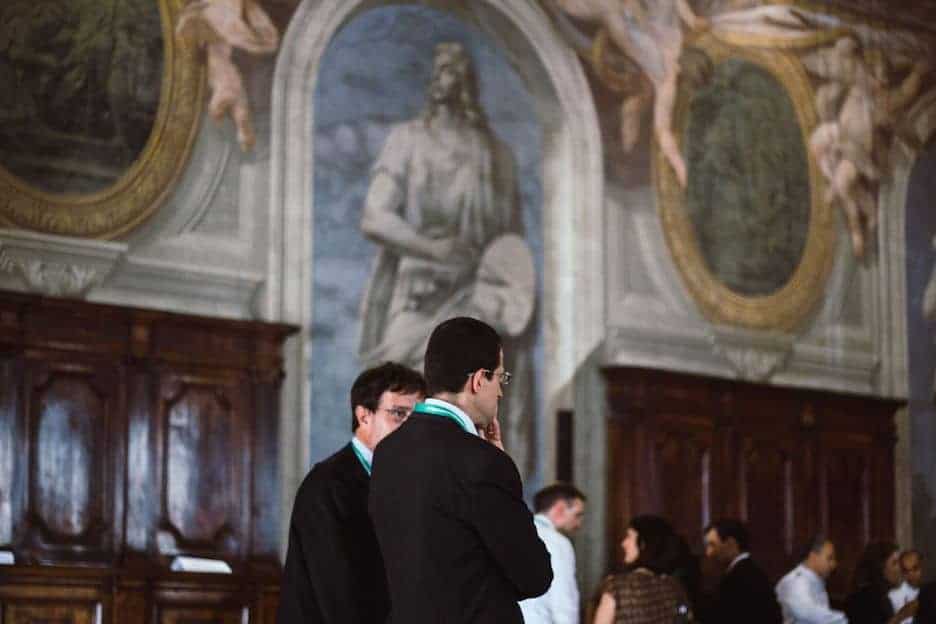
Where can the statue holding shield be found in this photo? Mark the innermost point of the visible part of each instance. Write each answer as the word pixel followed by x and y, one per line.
pixel 443 206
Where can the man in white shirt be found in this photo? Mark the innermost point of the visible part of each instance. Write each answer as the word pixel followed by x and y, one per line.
pixel 911 565
pixel 560 509
pixel 802 593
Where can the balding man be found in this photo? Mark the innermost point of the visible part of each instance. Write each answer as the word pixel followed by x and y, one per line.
pixel 802 593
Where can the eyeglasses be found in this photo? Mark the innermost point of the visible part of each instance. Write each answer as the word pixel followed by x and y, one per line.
pixel 504 376
pixel 399 413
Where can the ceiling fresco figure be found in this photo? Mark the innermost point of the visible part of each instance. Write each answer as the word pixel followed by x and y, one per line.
pixel 866 75
pixel 219 26
pixel 651 35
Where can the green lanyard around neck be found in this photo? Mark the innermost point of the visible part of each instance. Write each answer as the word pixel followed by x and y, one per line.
pixel 439 410
pixel 362 459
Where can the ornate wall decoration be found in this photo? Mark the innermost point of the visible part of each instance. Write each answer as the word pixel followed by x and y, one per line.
pixel 133 100
pixel 787 261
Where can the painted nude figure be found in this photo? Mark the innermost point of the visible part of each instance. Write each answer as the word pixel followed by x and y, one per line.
pixel 220 26
pixel 650 33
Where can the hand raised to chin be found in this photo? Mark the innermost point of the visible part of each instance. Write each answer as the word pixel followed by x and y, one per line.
pixel 492 433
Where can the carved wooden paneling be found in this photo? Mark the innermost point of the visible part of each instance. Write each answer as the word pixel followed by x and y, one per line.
pixel 66 462
pixel 69 475
pixel 665 434
pixel 52 613
pixel 42 600
pixel 789 462
pixel 128 436
pixel 269 602
pixel 204 480
pixel 846 500
pixel 765 496
pixel 682 478
pixel 11 484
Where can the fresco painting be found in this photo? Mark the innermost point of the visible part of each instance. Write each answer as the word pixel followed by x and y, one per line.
pixel 82 84
pixel 419 218
pixel 748 196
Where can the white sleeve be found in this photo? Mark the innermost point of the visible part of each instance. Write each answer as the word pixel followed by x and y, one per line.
pixel 793 594
pixel 563 594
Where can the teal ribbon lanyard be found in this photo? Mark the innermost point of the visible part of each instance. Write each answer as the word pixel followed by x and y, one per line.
pixel 362 459
pixel 438 410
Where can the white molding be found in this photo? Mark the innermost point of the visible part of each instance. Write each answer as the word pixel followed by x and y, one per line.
pixel 193 289
pixel 58 266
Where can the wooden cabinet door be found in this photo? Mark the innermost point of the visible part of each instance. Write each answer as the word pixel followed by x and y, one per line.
pixel 69 464
pixel 203 434
pixel 664 455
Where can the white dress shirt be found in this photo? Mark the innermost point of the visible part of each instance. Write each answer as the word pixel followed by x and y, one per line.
pixel 560 603
pixel 803 598
pixel 901 595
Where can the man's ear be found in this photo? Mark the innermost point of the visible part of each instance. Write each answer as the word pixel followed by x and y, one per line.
pixel 362 415
pixel 474 381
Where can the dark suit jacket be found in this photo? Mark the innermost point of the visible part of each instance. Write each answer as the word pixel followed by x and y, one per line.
pixel 746 596
pixel 458 541
pixel 927 598
pixel 334 573
pixel 869 605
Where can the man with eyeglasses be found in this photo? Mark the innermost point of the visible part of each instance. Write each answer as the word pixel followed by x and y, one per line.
pixel 334 573
pixel 457 539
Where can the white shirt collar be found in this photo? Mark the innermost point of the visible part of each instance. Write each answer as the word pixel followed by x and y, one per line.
pixel 365 452
pixel 810 574
pixel 544 521
pixel 741 557
pixel 458 412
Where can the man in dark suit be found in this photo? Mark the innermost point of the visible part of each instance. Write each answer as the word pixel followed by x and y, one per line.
pixel 334 573
pixel 457 539
pixel 745 594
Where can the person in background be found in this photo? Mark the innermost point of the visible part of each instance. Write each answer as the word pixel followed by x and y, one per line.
pixel 646 592
pixel 744 594
pixel 911 567
pixel 334 573
pixel 560 509
pixel 877 573
pixel 802 592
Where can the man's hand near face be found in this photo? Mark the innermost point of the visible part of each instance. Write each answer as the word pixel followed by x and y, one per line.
pixel 492 433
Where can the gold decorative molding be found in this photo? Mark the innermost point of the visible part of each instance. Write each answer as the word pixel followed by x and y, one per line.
pixel 790 306
pixel 147 182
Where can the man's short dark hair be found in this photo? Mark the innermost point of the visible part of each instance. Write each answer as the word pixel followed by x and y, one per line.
pixel 814 545
pixel 458 347
pixel 551 494
pixel 389 377
pixel 731 528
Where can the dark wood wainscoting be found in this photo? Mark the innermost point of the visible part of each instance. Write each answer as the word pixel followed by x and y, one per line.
pixel 128 437
pixel 789 462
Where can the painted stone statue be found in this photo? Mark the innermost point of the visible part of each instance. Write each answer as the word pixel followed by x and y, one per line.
pixel 442 204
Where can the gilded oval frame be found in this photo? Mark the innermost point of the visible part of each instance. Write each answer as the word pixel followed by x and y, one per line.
pixel 789 307
pixel 146 183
